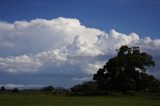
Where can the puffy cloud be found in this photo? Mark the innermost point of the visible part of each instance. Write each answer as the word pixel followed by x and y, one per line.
pixel 64 45
pixel 80 47
pixel 22 63
pixel 148 44
pixel 40 35
pixel 92 68
pixel 113 40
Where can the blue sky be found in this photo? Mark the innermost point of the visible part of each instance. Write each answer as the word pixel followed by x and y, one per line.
pixel 64 42
pixel 140 16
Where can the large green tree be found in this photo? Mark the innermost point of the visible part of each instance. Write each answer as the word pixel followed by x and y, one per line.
pixel 126 71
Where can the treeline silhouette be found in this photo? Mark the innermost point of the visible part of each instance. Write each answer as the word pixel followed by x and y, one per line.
pixel 47 90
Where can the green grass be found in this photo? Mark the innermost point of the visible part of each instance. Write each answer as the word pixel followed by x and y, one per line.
pixel 41 99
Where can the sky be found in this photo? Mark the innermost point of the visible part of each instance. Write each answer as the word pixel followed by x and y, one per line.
pixel 64 42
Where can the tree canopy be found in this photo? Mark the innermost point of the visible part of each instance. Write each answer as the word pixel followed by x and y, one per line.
pixel 126 71
pixel 48 88
pixel 2 88
pixel 87 88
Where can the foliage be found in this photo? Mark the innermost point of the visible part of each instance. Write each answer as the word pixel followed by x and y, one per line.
pixel 127 71
pixel 48 88
pixel 15 90
pixel 61 90
pixel 87 88
pixel 3 88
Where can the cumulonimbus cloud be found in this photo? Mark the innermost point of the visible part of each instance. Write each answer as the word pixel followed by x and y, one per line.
pixel 26 47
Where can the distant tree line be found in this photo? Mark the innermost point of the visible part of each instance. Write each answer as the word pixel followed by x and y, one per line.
pixel 47 89
pixel 14 90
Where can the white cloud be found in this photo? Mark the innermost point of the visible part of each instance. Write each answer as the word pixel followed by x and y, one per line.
pixel 113 40
pixel 12 85
pixel 92 68
pixel 18 64
pixel 20 86
pixel 82 79
pixel 40 35
pixel 80 47
pixel 26 47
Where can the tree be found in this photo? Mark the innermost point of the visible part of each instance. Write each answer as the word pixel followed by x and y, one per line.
pixel 15 90
pixel 126 71
pixel 87 88
pixel 48 88
pixel 3 88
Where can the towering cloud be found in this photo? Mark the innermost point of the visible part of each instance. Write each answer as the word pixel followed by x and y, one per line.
pixel 64 45
pixel 39 35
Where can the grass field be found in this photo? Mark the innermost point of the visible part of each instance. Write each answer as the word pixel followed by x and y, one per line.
pixel 40 99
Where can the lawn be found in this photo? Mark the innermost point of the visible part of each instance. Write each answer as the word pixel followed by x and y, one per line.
pixel 41 99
